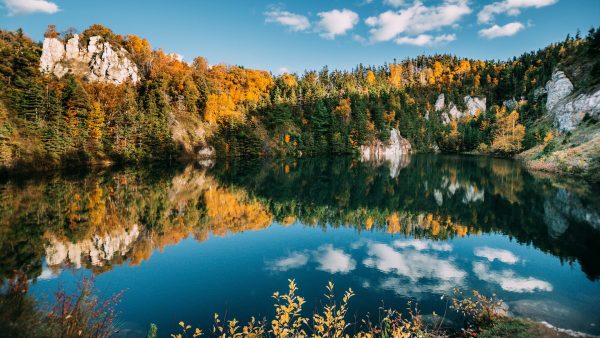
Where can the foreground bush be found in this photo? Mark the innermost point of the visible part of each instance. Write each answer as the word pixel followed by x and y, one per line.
pixel 478 312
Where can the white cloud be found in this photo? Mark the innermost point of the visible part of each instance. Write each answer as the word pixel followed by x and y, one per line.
pixel 394 3
pixel 496 31
pixel 420 245
pixel 334 260
pixel 510 7
pixel 336 22
pixel 283 70
pixel 416 19
pixel 508 279
pixel 425 40
pixel 293 261
pixel 492 254
pixel 295 22
pixel 23 7
pixel 411 264
pixel 415 272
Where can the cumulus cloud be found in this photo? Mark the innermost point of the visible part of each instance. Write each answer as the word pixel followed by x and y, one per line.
pixel 425 40
pixel 416 19
pixel 420 245
pixel 496 31
pixel 411 264
pixel 509 280
pixel 295 22
pixel 334 260
pixel 394 3
pixel 293 261
pixel 510 7
pixel 336 22
pixel 23 7
pixel 492 254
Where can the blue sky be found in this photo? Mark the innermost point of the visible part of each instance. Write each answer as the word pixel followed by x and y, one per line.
pixel 308 34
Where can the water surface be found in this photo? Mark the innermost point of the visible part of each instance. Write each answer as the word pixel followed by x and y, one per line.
pixel 187 242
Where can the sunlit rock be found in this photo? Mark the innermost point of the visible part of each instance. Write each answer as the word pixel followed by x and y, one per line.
pixel 100 61
pixel 557 88
pixel 52 53
pixel 395 151
pixel 475 105
pixel 567 109
pixel 439 103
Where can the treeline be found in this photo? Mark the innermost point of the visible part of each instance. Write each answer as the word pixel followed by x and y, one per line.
pixel 178 108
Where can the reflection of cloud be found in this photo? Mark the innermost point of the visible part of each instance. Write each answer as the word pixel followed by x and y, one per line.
pixel 420 245
pixel 293 261
pixel 406 288
pixel 492 254
pixel 334 260
pixel 48 273
pixel 414 265
pixel 508 280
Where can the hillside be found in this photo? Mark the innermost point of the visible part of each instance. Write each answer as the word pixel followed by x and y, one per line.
pixel 96 96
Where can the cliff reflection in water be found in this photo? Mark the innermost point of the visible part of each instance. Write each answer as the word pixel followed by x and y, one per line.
pixel 99 220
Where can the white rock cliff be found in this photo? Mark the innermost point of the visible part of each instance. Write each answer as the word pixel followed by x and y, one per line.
pixel 395 147
pixel 473 105
pixel 568 110
pixel 98 62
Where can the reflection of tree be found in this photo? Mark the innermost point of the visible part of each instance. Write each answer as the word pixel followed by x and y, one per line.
pixel 435 196
pixel 100 220
pixel 508 182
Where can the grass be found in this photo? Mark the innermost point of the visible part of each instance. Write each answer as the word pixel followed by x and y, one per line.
pixel 575 153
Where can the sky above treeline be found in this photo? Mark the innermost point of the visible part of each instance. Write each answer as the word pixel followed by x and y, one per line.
pixel 294 35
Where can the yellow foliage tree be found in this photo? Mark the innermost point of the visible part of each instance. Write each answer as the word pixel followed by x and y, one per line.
pixel 371 78
pixel 95 123
pixel 344 110
pixel 221 108
pixel 395 75
pixel 509 136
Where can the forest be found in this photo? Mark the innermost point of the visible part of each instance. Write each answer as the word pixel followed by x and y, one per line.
pixel 178 107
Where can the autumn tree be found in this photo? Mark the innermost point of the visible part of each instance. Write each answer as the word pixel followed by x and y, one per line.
pixel 509 134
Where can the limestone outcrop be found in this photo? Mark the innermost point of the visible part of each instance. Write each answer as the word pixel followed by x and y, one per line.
pixel 568 109
pixel 473 106
pixel 396 151
pixel 439 103
pixel 99 61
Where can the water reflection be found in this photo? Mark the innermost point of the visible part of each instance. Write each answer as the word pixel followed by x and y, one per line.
pixel 101 220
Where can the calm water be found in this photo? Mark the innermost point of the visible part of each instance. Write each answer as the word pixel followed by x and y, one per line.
pixel 187 242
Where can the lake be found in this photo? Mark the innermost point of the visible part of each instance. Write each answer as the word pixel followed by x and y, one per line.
pixel 189 241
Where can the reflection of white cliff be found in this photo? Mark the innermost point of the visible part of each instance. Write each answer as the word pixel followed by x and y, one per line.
pixel 471 192
pixel 396 151
pixel 98 249
pixel 565 206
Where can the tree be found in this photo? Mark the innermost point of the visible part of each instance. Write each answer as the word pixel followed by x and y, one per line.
pixel 220 108
pixel 509 134
pixel 51 32
pixel 95 124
